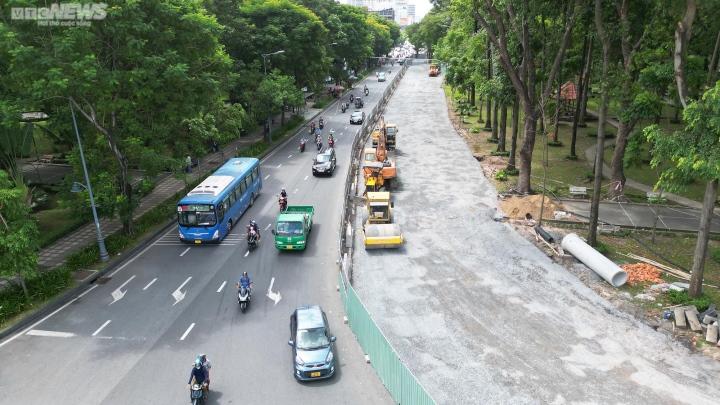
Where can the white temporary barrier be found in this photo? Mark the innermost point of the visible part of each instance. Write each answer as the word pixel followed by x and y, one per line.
pixel 600 264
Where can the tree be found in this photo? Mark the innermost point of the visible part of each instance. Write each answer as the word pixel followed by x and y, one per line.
pixel 275 93
pixel 694 153
pixel 18 234
pixel 602 114
pixel 512 22
pixel 134 81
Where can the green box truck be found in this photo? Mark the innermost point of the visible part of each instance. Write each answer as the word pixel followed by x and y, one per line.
pixel 293 226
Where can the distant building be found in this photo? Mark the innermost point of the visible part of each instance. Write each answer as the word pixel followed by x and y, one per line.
pixel 388 13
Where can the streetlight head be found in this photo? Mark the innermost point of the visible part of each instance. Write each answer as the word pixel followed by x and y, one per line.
pixel 279 52
pixel 77 187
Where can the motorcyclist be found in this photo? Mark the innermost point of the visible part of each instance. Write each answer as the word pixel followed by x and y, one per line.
pixel 321 123
pixel 245 282
pixel 253 226
pixel 199 374
pixel 331 139
pixel 206 364
pixel 283 193
pixel 352 97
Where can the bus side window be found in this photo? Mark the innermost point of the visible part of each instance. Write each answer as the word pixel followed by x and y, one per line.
pixel 241 189
pixel 255 174
pixel 231 197
pixel 248 182
pixel 221 211
pixel 237 193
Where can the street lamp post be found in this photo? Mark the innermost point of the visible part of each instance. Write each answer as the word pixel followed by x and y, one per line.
pixel 100 239
pixel 267 121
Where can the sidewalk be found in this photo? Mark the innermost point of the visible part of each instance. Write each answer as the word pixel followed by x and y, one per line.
pixel 55 254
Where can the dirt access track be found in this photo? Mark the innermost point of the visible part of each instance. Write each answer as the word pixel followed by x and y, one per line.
pixel 478 313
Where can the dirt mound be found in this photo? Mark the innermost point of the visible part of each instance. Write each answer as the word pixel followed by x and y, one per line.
pixel 516 207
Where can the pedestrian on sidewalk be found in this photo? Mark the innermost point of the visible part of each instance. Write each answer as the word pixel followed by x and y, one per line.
pixel 188 164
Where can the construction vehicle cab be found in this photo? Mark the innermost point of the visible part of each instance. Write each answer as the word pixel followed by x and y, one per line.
pixel 390 131
pixel 379 207
pixel 378 230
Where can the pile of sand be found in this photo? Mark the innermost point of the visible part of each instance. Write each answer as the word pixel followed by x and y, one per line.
pixel 515 207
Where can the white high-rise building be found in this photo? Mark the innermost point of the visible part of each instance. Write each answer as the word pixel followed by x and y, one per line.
pixel 404 10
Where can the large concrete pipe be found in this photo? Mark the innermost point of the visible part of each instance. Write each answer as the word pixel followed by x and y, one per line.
pixel 600 264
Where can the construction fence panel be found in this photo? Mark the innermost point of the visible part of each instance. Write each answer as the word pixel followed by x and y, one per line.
pixel 403 386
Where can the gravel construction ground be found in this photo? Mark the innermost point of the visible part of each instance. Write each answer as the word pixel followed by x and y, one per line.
pixel 482 316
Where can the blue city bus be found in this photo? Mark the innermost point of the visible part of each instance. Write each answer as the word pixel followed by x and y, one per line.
pixel 208 212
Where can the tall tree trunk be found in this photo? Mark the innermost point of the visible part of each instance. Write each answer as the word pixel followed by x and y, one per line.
pixel 595 205
pixel 495 121
pixel 480 113
pixel 578 96
pixel 583 97
pixel 683 31
pixel 713 67
pixel 23 285
pixel 513 139
pixel 488 76
pixel 472 94
pixel 557 109
pixel 696 276
pixel 501 130
pixel 526 151
pixel 617 168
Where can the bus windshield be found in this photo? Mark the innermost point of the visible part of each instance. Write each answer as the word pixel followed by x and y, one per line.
pixel 196 215
pixel 289 228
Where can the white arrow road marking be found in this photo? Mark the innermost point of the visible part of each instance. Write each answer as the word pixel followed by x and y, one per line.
pixel 278 166
pixel 179 295
pixel 270 294
pixel 267 177
pixel 306 177
pixel 184 251
pixel 49 333
pixel 268 227
pixel 289 156
pixel 101 327
pixel 221 286
pixel 187 332
pixel 118 294
pixel 150 283
pixel 247 253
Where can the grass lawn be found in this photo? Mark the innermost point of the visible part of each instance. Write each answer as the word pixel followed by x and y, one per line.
pixel 55 221
pixel 677 249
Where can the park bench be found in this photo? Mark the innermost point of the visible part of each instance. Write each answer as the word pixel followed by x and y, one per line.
pixel 576 191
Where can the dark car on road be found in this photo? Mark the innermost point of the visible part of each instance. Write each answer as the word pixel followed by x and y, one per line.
pixel 324 162
pixel 359 102
pixel 357 117
pixel 313 347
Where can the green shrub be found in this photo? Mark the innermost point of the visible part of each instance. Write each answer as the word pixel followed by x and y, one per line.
pixel 501 175
pixel 602 248
pixel 475 130
pixel 145 187
pixel 681 298
pixel 115 243
pixel 512 172
pixel 555 143
pixel 41 287
pixel 83 258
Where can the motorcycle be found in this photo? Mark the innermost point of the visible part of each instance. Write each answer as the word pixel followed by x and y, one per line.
pixel 302 145
pixel 331 143
pixel 282 201
pixel 196 394
pixel 344 107
pixel 252 238
pixel 367 92
pixel 243 298
pixel 352 98
pixel 319 145
pixel 322 123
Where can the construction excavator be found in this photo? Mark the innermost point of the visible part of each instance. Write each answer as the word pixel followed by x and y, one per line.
pixel 378 168
pixel 379 231
pixel 390 131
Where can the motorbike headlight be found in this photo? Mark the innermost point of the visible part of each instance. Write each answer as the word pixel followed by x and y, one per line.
pixel 329 357
pixel 299 361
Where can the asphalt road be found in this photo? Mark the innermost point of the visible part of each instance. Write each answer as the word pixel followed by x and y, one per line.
pixel 644 215
pixel 139 347
pixel 478 313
